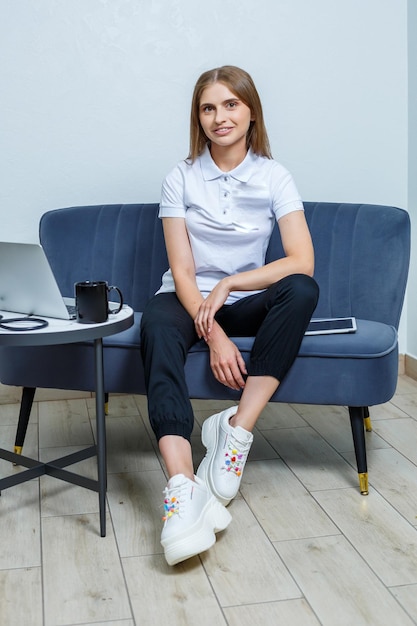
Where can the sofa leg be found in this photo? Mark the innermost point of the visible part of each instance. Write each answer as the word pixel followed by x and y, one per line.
pixel 28 394
pixel 357 415
pixel 106 404
pixel 367 420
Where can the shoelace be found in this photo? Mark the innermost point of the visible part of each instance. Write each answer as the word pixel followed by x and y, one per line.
pixel 172 501
pixel 235 457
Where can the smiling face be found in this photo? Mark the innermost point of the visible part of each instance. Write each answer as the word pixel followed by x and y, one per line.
pixel 224 118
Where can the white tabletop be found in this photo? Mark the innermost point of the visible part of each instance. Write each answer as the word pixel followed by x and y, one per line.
pixel 65 331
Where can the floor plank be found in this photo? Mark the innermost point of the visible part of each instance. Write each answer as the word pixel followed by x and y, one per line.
pixel 377 531
pixel 304 548
pixel 83 578
pixel 339 585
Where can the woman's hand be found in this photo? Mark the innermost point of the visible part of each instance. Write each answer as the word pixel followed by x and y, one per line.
pixel 204 319
pixel 226 362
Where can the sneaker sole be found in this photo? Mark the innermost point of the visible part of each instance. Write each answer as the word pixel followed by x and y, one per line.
pixel 200 537
pixel 209 433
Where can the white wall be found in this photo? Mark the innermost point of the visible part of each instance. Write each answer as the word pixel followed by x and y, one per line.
pixel 96 93
pixel 411 336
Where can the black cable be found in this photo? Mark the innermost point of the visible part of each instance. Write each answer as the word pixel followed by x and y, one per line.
pixel 36 323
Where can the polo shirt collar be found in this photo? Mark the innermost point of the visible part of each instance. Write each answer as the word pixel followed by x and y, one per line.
pixel 242 172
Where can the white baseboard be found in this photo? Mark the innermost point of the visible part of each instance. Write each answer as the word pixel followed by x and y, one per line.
pixel 410 366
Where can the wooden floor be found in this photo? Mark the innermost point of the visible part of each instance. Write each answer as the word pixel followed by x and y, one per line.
pixel 304 547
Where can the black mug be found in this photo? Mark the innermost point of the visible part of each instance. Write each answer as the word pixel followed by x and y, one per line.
pixel 92 301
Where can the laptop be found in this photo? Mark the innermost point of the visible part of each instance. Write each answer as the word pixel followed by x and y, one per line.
pixel 27 284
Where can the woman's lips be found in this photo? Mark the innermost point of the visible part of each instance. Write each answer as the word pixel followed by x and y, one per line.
pixel 222 131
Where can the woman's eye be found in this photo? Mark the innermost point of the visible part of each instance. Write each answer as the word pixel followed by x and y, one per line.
pixel 232 105
pixel 207 109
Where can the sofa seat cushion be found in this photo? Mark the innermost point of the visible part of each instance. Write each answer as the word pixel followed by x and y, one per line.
pixel 129 339
pixel 372 339
pixel 364 359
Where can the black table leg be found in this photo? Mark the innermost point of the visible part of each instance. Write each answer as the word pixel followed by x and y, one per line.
pixel 56 467
pixel 101 434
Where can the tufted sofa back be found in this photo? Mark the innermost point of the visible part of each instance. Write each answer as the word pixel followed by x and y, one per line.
pixel 362 254
pixel 123 244
pixel 361 251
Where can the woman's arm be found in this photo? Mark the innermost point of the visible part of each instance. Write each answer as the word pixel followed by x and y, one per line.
pixel 226 361
pixel 181 262
pixel 299 259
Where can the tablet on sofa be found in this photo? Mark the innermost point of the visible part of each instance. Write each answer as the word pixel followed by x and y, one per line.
pixel 330 325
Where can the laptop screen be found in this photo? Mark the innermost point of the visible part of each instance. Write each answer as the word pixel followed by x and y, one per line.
pixel 27 284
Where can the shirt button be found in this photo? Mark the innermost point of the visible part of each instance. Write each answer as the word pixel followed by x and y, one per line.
pixel 225 194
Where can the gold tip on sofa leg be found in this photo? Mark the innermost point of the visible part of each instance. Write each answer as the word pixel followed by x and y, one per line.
pixel 106 408
pixel 17 450
pixel 363 483
pixel 368 424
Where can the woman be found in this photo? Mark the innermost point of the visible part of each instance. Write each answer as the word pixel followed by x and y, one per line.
pixel 218 209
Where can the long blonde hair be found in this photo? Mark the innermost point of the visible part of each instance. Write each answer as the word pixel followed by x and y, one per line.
pixel 241 84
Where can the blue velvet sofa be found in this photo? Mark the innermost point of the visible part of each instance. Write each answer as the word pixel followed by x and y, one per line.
pixel 362 257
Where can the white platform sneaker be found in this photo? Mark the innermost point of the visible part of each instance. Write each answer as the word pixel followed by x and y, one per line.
pixel 192 517
pixel 227 450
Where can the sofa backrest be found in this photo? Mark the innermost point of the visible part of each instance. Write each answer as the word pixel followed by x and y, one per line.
pixel 362 253
pixel 123 244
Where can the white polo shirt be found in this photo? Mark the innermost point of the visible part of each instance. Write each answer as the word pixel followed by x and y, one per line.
pixel 229 216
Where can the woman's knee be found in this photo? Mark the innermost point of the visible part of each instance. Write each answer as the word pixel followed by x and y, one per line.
pixel 300 290
pixel 305 287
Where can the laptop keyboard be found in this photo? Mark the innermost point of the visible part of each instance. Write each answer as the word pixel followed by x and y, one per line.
pixel 72 310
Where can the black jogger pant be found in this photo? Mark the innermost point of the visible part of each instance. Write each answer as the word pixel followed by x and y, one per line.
pixel 276 317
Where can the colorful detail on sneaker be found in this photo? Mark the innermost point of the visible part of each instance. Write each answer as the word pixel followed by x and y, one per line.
pixel 233 461
pixel 172 503
pixel 171 506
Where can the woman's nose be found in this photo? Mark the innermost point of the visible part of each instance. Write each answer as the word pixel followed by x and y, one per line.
pixel 220 116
